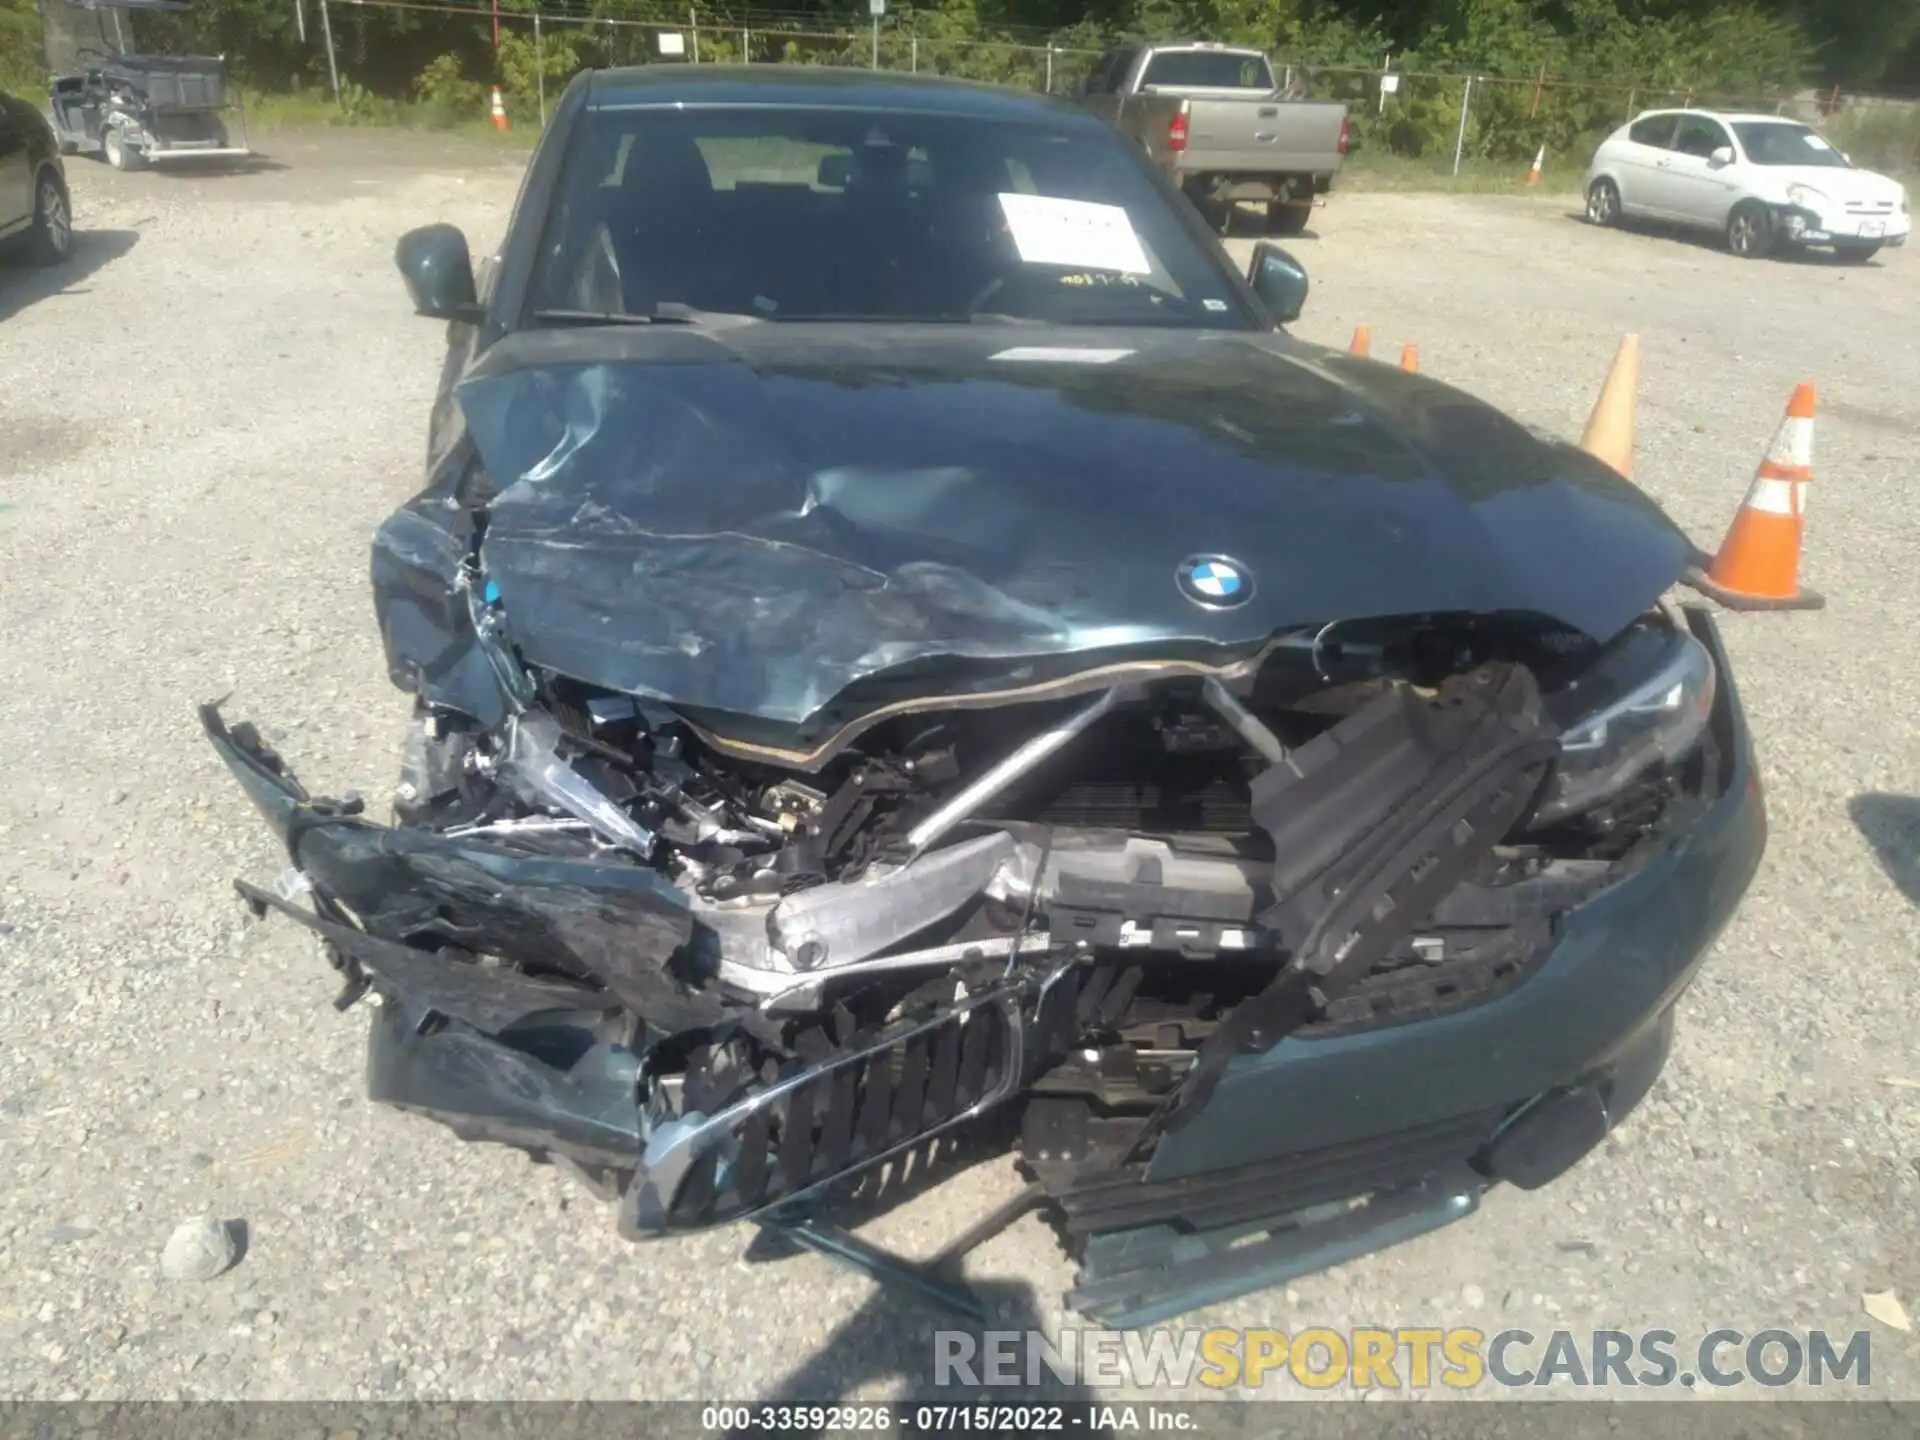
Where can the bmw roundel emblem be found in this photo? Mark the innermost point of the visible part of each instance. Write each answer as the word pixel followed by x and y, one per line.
pixel 1213 581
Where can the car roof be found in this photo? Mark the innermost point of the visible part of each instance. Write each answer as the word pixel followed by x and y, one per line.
pixel 1743 117
pixel 823 87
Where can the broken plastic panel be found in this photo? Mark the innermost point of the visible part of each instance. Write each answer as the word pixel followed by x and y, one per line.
pixel 533 765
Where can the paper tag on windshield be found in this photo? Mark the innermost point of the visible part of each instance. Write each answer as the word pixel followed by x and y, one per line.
pixel 1051 231
pixel 1815 141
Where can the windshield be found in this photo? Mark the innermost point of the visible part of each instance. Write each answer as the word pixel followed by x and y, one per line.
pixel 790 214
pixel 1208 70
pixel 1767 143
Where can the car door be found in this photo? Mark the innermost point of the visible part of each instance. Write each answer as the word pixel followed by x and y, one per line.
pixel 16 168
pixel 1638 157
pixel 1699 189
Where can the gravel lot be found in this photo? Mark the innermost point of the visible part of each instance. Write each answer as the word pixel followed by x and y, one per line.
pixel 203 419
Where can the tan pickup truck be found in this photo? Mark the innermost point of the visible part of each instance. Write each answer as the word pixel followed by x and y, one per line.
pixel 1214 118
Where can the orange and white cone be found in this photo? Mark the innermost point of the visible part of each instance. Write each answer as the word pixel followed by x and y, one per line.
pixel 1758 567
pixel 1609 432
pixel 1533 175
pixel 499 110
pixel 1362 340
pixel 1410 359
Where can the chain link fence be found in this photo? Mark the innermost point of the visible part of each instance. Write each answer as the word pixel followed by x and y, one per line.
pixel 1426 122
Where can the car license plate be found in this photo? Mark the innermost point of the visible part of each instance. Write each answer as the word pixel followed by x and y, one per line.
pixel 1873 227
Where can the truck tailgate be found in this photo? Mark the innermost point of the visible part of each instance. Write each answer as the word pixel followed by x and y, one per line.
pixel 1261 135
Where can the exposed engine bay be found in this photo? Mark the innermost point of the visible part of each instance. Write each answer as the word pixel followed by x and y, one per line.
pixel 720 981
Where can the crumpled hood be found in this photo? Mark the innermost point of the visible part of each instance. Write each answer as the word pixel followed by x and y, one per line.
pixel 750 517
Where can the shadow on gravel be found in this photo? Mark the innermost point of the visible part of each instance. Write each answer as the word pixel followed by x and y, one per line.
pixel 253 164
pixel 23 285
pixel 892 1336
pixel 1712 240
pixel 1891 824
pixel 896 1338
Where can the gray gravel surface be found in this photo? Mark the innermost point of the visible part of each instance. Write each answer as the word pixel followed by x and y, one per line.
pixel 202 420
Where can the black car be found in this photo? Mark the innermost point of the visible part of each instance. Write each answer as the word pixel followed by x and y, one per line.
pixel 908 651
pixel 36 215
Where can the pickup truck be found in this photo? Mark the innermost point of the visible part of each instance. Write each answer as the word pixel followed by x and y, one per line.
pixel 1213 118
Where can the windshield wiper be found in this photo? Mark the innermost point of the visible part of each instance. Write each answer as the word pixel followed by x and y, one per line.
pixel 662 315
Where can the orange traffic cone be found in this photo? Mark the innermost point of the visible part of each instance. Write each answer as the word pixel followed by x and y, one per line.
pixel 1410 358
pixel 1758 567
pixel 1533 175
pixel 1362 340
pixel 499 110
pixel 1609 432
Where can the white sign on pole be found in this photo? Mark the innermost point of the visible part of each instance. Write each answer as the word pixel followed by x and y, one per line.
pixel 876 8
pixel 672 42
pixel 1390 84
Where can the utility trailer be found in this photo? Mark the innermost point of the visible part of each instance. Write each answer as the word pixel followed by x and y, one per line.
pixel 130 108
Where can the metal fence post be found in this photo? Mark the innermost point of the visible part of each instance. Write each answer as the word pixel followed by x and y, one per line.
pixel 876 41
pixel 1049 67
pixel 913 54
pixel 333 66
pixel 1460 140
pixel 746 45
pixel 540 68
pixel 693 24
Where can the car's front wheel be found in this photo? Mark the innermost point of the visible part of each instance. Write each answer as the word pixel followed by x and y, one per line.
pixel 1603 202
pixel 51 239
pixel 1750 231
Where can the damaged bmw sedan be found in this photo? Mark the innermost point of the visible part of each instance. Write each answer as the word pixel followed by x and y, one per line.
pixel 905 646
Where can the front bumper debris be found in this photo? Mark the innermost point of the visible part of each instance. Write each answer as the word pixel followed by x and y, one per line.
pixel 566 1004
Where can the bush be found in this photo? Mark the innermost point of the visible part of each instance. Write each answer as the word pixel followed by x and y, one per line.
pixel 447 97
pixel 524 65
pixel 1880 136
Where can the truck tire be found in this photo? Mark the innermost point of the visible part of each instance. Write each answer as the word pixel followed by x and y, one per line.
pixel 1288 217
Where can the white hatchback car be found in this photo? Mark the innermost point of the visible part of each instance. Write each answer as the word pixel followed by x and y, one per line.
pixel 1762 181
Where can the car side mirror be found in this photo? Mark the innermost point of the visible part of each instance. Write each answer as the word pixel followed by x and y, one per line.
pixel 1279 280
pixel 835 171
pixel 435 263
pixel 1720 155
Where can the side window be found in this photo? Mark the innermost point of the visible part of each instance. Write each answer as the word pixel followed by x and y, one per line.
pixel 1699 136
pixel 1655 130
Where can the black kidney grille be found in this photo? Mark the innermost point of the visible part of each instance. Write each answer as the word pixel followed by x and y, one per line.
pixel 831 1121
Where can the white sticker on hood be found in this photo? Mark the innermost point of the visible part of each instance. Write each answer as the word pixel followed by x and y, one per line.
pixel 1050 231
pixel 1061 355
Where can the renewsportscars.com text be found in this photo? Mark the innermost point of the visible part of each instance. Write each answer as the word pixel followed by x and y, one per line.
pixel 1407 1358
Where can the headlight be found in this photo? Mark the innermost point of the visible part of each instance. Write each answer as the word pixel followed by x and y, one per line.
pixel 1644 702
pixel 1806 195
